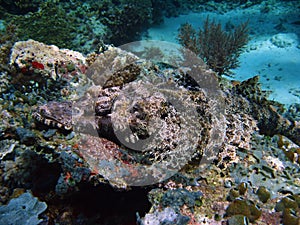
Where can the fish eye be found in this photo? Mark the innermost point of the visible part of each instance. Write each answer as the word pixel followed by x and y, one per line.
pixel 43 111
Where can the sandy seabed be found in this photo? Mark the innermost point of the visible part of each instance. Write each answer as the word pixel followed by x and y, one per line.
pixel 273 51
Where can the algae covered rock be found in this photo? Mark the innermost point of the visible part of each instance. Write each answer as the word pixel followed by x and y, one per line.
pixel 167 216
pixel 35 58
pixel 22 210
pixel 263 194
pixel 238 220
pixel 243 207
pixel 290 217
pixel 179 197
pixel 288 202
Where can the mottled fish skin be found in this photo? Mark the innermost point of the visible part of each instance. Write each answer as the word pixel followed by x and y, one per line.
pixel 105 100
pixel 55 114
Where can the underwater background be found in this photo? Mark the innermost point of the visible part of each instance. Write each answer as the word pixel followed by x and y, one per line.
pixel 120 112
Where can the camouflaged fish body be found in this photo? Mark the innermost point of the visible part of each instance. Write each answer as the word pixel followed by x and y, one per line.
pixel 132 111
pixel 55 114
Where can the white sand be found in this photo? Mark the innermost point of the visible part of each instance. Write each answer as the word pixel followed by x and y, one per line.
pixel 277 62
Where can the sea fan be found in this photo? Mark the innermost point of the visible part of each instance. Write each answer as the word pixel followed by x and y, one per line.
pixel 218 48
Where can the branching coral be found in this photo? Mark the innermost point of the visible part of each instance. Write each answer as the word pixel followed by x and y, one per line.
pixel 218 48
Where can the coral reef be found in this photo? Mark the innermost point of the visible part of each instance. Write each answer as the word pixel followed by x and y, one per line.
pixel 83 27
pixel 79 26
pixel 51 25
pixel 72 173
pixel 52 146
pixel 126 21
pixel 78 132
pixel 179 197
pixel 59 24
pixel 8 37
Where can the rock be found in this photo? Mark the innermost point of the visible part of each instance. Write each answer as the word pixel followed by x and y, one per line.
pixel 289 217
pixel 238 220
pixel 167 217
pixel 6 147
pixel 26 136
pixel 36 58
pixel 243 207
pixel 22 210
pixel 49 133
pixel 242 188
pixel 233 194
pixel 284 40
pixel 179 197
pixel 287 202
pixel 263 194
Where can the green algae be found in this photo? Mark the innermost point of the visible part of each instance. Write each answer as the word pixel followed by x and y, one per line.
pixel 238 220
